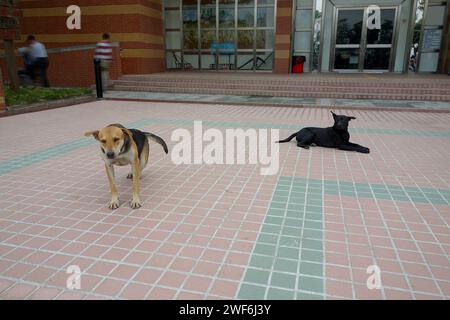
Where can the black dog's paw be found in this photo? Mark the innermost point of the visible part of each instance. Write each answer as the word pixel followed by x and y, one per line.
pixel 365 150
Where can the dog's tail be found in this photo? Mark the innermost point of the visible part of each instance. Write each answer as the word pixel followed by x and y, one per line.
pixel 157 140
pixel 288 139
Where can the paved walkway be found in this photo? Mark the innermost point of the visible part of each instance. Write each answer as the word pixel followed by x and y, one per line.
pixel 283 101
pixel 224 231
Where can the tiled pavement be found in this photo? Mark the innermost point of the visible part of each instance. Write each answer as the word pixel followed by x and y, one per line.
pixel 225 231
pixel 283 101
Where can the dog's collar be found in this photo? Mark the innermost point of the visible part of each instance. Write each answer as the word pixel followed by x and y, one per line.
pixel 126 145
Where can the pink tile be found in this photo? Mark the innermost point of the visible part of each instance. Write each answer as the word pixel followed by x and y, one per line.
pixel 44 294
pixel 17 292
pixel 363 293
pixel 161 294
pixel 392 294
pixel 123 271
pixel 423 285
pixel 71 295
pixel 148 275
pixel 182 264
pixel 339 288
pixel 110 287
pixel 197 283
pixel 172 279
pixel 206 268
pixel 135 291
pixel 224 288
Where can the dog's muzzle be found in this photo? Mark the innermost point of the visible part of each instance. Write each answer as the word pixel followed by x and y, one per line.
pixel 110 155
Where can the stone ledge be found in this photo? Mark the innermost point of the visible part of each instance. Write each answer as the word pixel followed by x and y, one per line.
pixel 46 105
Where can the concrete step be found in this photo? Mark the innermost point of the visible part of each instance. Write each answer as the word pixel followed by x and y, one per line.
pixel 281 93
pixel 386 83
pixel 287 88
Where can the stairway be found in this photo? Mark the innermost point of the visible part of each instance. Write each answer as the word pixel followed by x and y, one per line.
pixel 333 86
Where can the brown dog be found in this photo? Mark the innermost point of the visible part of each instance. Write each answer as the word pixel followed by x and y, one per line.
pixel 121 146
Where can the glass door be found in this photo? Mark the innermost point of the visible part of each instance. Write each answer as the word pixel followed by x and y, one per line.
pixel 347 53
pixel 360 44
pixel 378 46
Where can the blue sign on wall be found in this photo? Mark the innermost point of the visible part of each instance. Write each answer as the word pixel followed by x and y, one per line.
pixel 224 48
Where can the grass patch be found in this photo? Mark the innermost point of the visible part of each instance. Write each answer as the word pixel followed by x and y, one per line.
pixel 28 95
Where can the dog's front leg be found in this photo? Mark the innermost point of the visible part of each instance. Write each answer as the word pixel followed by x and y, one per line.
pixel 358 148
pixel 114 204
pixel 135 167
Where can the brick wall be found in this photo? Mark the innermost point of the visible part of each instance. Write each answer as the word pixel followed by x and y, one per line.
pixel 135 24
pixel 73 66
pixel 2 94
pixel 283 36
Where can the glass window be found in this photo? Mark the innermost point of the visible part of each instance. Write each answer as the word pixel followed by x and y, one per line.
pixel 172 3
pixel 189 18
pixel 226 36
pixel 172 19
pixel 191 60
pixel 264 61
pixel 173 60
pixel 173 40
pixel 190 39
pixel 265 17
pixel 208 17
pixel 226 17
pixel 208 38
pixel 245 61
pixel 264 39
pixel 349 26
pixel 245 17
pixel 245 39
pixel 208 61
pixel 303 19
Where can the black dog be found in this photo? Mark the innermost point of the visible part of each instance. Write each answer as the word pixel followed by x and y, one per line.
pixel 336 136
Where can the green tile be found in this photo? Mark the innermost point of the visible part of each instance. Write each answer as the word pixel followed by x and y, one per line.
pixel 308 296
pixel 310 284
pixel 265 249
pixel 310 224
pixel 288 253
pixel 291 231
pixel 288 241
pixel 270 228
pixel 283 280
pixel 268 238
pixel 251 292
pixel 311 269
pixel 312 234
pixel 262 262
pixel 256 276
pixel 312 256
pixel 286 265
pixel 279 294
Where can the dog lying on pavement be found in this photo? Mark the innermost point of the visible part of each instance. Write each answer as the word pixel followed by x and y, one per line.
pixel 121 146
pixel 336 136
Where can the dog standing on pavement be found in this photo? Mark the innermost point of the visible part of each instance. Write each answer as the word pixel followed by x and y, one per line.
pixel 121 146
pixel 336 136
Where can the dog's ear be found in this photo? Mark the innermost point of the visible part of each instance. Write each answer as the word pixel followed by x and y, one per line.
pixel 334 115
pixel 351 118
pixel 92 134
pixel 127 133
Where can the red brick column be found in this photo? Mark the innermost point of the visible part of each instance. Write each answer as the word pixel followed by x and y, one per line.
pixel 283 36
pixel 2 94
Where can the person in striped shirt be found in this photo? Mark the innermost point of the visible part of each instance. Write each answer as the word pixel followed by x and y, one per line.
pixel 103 51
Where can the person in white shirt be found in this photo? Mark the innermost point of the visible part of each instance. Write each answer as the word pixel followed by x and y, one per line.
pixel 103 52
pixel 39 58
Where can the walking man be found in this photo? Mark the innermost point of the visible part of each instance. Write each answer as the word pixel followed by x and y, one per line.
pixel 39 58
pixel 103 51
